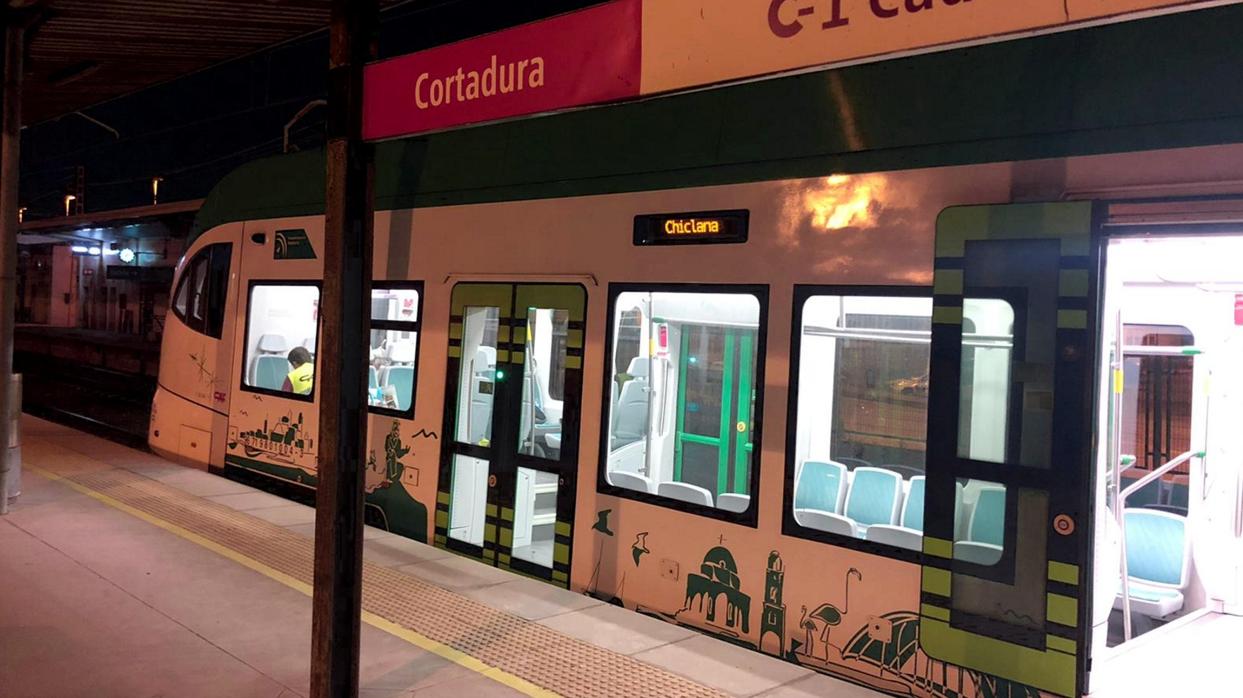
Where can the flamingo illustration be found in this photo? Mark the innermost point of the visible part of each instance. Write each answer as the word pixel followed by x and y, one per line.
pixel 825 617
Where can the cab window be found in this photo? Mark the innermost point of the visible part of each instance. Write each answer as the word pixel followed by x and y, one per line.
pixel 282 321
pixel 684 387
pixel 199 301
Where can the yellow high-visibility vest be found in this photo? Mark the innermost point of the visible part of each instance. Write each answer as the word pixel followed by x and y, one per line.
pixel 302 378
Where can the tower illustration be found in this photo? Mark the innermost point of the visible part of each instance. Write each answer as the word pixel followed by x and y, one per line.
pixel 773 619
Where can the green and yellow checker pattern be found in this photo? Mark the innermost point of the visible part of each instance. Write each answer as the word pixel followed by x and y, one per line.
pixel 1055 667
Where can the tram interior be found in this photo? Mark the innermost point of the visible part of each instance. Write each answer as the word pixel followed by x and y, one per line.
pixel 539 429
pixel 682 397
pixel 1170 448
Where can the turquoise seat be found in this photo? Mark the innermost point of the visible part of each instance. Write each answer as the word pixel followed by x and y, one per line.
pixel 402 379
pixel 1158 560
pixel 373 379
pixel 988 519
pixel 874 496
pixel 820 486
pixel 913 510
pixel 270 372
pixel 1156 547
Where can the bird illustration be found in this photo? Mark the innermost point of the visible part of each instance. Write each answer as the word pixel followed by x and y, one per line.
pixel 602 522
pixel 639 547
pixel 825 617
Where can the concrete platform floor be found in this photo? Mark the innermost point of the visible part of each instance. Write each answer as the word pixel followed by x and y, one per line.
pixel 95 601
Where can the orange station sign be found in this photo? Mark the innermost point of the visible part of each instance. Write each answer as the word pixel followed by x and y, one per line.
pixel 627 49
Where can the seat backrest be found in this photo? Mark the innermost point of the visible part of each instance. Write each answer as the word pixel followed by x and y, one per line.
pixel 638 368
pixel 988 517
pixel 270 371
pixel 403 353
pixel 401 378
pixel 685 492
pixel 631 481
pixel 272 344
pixel 978 553
pixel 730 501
pixel 820 486
pixel 1157 547
pixel 373 378
pixel 874 496
pixel 913 509
pixel 825 521
pixel 630 424
pixel 896 535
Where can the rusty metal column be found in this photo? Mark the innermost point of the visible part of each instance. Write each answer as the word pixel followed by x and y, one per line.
pixel 345 312
pixel 10 167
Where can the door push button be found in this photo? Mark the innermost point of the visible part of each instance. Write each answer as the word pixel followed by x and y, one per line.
pixel 491 481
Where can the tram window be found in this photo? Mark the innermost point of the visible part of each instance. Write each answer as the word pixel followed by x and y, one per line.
pixel 392 361
pixel 682 409
pixel 199 300
pixel 862 417
pixel 281 331
pixel 477 375
pixel 543 383
pixel 984 395
pixel 1156 410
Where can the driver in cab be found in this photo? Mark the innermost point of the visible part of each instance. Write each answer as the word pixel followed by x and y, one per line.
pixel 301 377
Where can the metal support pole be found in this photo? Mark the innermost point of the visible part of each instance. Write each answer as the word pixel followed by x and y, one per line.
pixel 10 151
pixel 345 312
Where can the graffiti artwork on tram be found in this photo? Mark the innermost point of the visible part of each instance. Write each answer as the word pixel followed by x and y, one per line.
pixel 283 440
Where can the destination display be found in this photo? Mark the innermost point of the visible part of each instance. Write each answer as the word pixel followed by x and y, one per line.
pixel 707 227
pixel 628 49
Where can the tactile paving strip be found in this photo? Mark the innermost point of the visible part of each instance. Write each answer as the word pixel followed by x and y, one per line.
pixel 528 650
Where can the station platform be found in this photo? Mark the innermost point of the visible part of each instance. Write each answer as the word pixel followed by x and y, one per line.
pixel 124 575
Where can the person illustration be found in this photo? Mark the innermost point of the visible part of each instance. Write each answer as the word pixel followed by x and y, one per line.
pixel 301 376
pixel 393 451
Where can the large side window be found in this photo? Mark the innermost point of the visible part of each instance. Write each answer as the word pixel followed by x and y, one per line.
pixel 861 416
pixel 393 369
pixel 282 321
pixel 199 300
pixel 684 388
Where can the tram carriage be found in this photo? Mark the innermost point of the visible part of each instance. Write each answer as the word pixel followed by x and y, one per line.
pixel 887 412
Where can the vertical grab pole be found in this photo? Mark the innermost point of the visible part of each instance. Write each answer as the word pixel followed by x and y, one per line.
pixel 342 374
pixel 1116 377
pixel 14 25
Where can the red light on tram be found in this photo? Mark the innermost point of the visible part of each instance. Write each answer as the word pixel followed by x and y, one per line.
pixel 1238 309
pixel 662 340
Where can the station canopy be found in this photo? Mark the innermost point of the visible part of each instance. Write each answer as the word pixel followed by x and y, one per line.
pixel 83 52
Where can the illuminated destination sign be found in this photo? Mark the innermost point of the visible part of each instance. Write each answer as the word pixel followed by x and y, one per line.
pixel 707 227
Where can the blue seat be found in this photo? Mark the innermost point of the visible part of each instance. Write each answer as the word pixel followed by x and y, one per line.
pixel 402 379
pixel 913 510
pixel 270 371
pixel 1158 557
pixel 874 496
pixel 820 486
pixel 988 518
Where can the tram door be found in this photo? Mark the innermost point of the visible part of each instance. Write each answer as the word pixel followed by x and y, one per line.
pixel 1009 503
pixel 716 403
pixel 510 459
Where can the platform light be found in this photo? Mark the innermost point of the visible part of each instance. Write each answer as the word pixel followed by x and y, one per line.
pixel 79 249
pixel 21 214
pixel 69 199
pixel 94 251
pixel 155 190
pixel 127 255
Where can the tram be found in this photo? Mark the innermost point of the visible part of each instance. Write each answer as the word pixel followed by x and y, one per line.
pixel 931 390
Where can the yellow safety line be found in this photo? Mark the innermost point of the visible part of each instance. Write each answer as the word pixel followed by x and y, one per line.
pixel 421 641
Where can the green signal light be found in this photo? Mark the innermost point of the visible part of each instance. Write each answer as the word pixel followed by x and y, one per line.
pixel 500 375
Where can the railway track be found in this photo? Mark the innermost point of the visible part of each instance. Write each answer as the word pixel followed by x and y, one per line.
pixel 107 403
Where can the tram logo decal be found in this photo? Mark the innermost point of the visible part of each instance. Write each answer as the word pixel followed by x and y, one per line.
pixel 292 244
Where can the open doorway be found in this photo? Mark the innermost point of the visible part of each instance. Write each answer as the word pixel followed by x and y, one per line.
pixel 1170 444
